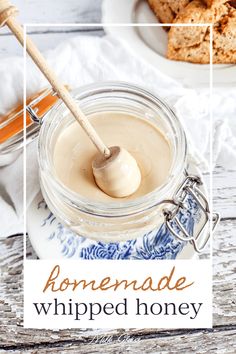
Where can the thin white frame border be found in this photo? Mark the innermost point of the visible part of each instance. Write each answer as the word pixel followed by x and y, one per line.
pixel 98 26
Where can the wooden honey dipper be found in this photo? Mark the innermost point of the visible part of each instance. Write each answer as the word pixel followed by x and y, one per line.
pixel 115 171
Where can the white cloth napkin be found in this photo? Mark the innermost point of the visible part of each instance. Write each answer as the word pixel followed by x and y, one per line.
pixel 84 60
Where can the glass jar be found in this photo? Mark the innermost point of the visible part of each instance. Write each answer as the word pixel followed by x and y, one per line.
pixel 12 124
pixel 126 220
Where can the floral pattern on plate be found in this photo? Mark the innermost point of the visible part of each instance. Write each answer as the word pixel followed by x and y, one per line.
pixel 157 244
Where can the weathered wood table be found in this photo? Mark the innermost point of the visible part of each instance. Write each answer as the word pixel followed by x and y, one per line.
pixel 14 338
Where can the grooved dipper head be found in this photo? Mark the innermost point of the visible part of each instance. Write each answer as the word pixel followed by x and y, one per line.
pixel 119 175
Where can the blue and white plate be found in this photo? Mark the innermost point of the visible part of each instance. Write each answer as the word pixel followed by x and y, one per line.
pixel 51 240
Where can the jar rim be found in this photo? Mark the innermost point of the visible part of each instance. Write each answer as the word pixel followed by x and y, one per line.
pixel 110 208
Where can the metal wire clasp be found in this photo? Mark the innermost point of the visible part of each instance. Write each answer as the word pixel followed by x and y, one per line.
pixel 33 108
pixel 190 186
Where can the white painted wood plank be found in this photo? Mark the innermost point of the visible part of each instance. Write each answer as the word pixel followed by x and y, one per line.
pixel 50 12
pixel 218 341
pixel 60 11
pixel 224 191
pixel 9 45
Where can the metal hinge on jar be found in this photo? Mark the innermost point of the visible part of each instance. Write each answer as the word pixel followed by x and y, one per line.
pixel 41 105
pixel 190 187
pixel 12 124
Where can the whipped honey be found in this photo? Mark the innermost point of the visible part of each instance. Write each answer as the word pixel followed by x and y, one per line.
pixel 74 153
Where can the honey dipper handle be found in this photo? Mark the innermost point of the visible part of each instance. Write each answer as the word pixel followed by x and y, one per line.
pixel 57 86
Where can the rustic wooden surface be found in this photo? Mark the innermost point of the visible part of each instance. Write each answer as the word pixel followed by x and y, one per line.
pixel 221 339
pixel 15 339
pixel 50 12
